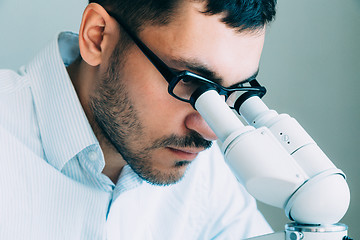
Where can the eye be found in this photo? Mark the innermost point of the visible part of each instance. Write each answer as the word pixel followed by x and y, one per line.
pixel 190 82
pixel 187 79
pixel 186 86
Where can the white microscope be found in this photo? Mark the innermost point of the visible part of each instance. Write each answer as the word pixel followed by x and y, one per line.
pixel 278 163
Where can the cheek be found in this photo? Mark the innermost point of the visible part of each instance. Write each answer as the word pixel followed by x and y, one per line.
pixel 158 111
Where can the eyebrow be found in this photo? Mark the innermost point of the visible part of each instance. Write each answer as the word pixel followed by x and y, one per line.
pixel 205 72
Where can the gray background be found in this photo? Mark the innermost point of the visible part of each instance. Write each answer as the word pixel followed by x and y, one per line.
pixel 310 66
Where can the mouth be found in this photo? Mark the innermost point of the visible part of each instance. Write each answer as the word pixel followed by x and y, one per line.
pixel 185 154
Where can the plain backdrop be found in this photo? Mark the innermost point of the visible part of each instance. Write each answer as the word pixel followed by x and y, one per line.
pixel 310 66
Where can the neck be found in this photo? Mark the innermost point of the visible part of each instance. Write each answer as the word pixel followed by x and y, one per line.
pixel 84 78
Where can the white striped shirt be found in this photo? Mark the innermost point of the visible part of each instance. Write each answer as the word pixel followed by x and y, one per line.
pixel 51 185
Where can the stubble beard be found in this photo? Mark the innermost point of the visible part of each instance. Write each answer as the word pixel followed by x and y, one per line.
pixel 118 120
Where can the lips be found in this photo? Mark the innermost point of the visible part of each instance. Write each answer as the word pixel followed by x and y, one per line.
pixel 185 154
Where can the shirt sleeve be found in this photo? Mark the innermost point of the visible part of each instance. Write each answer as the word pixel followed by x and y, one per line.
pixel 233 211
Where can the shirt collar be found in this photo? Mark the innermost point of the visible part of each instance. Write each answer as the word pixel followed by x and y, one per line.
pixel 128 180
pixel 64 127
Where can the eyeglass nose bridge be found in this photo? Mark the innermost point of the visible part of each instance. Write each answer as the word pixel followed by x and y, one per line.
pixel 225 93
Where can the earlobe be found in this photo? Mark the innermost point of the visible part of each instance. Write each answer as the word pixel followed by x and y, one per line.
pixel 91 34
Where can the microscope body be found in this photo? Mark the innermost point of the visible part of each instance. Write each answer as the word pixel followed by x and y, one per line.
pixel 280 165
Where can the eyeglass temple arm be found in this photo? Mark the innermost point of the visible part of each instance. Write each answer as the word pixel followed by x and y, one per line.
pixel 155 60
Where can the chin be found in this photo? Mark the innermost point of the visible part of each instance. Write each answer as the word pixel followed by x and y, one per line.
pixel 168 177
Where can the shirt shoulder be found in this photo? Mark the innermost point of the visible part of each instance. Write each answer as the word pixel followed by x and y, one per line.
pixel 39 202
pixel 12 82
pixel 18 113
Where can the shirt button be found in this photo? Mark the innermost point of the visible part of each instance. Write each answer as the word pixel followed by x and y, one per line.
pixel 92 156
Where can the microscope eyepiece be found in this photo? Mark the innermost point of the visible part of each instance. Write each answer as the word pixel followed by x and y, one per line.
pixel 243 97
pixel 198 92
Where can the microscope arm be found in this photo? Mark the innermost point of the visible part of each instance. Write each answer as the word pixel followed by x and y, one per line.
pixel 324 197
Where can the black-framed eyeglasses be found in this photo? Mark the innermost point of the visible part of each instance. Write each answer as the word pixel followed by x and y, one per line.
pixel 182 84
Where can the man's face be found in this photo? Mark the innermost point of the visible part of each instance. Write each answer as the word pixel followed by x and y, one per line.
pixel 156 134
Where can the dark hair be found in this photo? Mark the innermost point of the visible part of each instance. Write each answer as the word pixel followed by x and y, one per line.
pixel 238 14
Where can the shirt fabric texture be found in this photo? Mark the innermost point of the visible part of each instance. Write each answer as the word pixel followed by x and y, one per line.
pixel 51 181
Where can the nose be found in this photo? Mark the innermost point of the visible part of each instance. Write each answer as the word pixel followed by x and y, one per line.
pixel 195 122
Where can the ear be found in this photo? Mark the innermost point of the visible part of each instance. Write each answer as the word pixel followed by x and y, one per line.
pixel 97 32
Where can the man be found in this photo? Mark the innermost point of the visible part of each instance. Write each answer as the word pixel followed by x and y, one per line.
pixel 94 146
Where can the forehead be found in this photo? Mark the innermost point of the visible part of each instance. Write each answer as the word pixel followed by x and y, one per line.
pixel 204 40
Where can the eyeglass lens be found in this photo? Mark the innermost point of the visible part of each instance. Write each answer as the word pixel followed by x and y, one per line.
pixel 186 86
